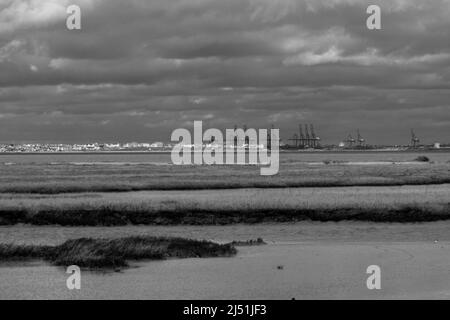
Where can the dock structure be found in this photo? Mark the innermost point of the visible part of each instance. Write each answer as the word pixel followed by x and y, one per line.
pixel 306 137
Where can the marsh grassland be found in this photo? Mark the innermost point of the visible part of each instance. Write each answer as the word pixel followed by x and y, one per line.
pixel 124 193
pixel 53 178
pixel 393 203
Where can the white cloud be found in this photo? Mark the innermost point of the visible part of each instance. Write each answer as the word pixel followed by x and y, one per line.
pixel 10 49
pixel 59 63
pixel 197 100
pixel 310 58
pixel 370 57
pixel 20 14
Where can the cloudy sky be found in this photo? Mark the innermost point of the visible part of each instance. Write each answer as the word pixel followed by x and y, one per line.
pixel 138 69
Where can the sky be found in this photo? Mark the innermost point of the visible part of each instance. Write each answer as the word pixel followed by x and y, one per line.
pixel 138 69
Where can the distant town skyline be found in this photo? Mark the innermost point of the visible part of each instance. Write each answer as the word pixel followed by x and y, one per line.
pixel 138 70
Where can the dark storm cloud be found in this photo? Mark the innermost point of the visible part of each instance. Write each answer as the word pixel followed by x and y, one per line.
pixel 140 68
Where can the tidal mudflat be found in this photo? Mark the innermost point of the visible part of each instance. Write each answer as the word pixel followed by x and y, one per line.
pixel 318 260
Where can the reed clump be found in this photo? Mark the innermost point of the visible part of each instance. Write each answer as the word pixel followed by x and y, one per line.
pixel 115 253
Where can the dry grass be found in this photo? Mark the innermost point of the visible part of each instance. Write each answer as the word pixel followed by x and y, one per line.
pixel 408 203
pixel 64 178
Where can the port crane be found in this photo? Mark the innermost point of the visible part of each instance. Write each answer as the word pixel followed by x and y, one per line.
pixel 414 139
pixel 361 140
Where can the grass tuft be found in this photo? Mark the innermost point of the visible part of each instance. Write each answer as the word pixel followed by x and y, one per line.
pixel 113 253
pixel 251 242
pixel 422 159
